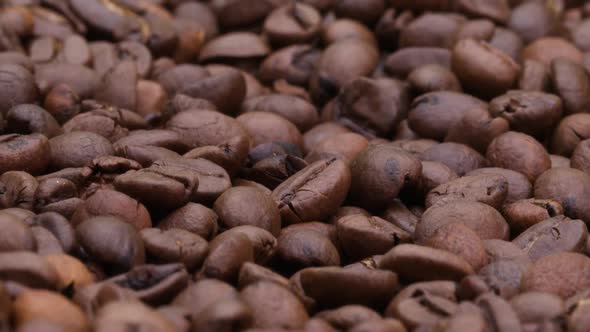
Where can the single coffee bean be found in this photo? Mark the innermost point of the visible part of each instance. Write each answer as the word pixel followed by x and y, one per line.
pixel 77 149
pixel 294 63
pixel 17 189
pixel 370 287
pixel 29 119
pixel 461 241
pixel 112 242
pixel 562 274
pixel 115 203
pixel 262 298
pixel 502 249
pixel 532 113
pixel 432 77
pixel 534 76
pixel 71 271
pixel 292 24
pixel 379 173
pixel 192 217
pixel 572 84
pixel 525 213
pixel 43 305
pixel 477 129
pixel 552 236
pixel 569 187
pixel 130 313
pixel 504 276
pixel 535 308
pixel 424 303
pixel 570 131
pixel 28 269
pixel 498 312
pixel 226 256
pixel 344 28
pixel 486 221
pixel 546 49
pixel 488 189
pixel 18 87
pixel 248 206
pixel 458 157
pixel 361 236
pixel 482 69
pixel 348 316
pixel 430 30
pixel 300 248
pixel 28 153
pixel 519 187
pixel 417 263
pixel 314 193
pixel 174 245
pixel 519 152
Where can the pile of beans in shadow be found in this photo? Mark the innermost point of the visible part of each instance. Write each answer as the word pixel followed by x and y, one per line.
pixel 281 165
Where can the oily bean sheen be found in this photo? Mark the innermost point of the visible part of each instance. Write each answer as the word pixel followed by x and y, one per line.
pixel 310 166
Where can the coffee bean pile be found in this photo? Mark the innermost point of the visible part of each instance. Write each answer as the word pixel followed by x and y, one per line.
pixel 282 165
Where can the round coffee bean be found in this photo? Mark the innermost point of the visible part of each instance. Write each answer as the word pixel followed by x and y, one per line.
pixel 562 274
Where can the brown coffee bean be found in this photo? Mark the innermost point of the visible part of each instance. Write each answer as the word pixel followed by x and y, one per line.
pixel 110 202
pixel 342 146
pixel 552 236
pixel 28 269
pixel 579 159
pixel 236 45
pixel 18 86
pixel 344 28
pixel 313 193
pixel 569 132
pixel 252 273
pixel 322 131
pixel 62 102
pixel 533 113
pixel 489 189
pixel 265 127
pixel 546 49
pixel 294 63
pixel 262 298
pixel 248 206
pixel 532 158
pixel 430 30
pixel 348 316
pixel 399 215
pixel 434 114
pixel 519 187
pixel 82 80
pixel 298 111
pixel 28 153
pixel 477 129
pixel 562 274
pixel 226 256
pixel 481 218
pixel 461 241
pixel 335 69
pixel 432 77
pixel 78 149
pixel 571 83
pixel 370 287
pixel 535 308
pixel 569 187
pixel 125 313
pixel 192 217
pixel 503 276
pixel 404 61
pixel 380 172
pixel 112 242
pixel 534 76
pixel 416 263
pixel 424 303
pixel 389 105
pixel 292 24
pixel 43 305
pixel 559 161
pixel 17 236
pixel 17 189
pixel 70 271
pixel 301 248
pixel 174 245
pixel 458 157
pixel 483 69
pixel 29 119
pixel 522 214
pixel 361 236
pixel 498 312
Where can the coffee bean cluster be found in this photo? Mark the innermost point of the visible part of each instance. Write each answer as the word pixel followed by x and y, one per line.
pixel 282 165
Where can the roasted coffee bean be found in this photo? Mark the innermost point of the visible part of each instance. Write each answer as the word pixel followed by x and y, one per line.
pixel 546 49
pixel 370 287
pixel 572 84
pixel 174 245
pixel 226 256
pixel 519 152
pixel 477 129
pixel 423 303
pixel 361 236
pixel 552 236
pixel 522 109
pixel 28 153
pixel 460 158
pixel 29 119
pixel 525 213
pixel 462 241
pixel 489 189
pixel 314 193
pixel 306 248
pixel 519 187
pixel 568 186
pixel 534 76
pixel 110 240
pixel 562 274
pixel 481 218
pixel 17 189
pixel 248 206
pixel 418 263
pixel 192 217
pixel 433 114
pixel 379 173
